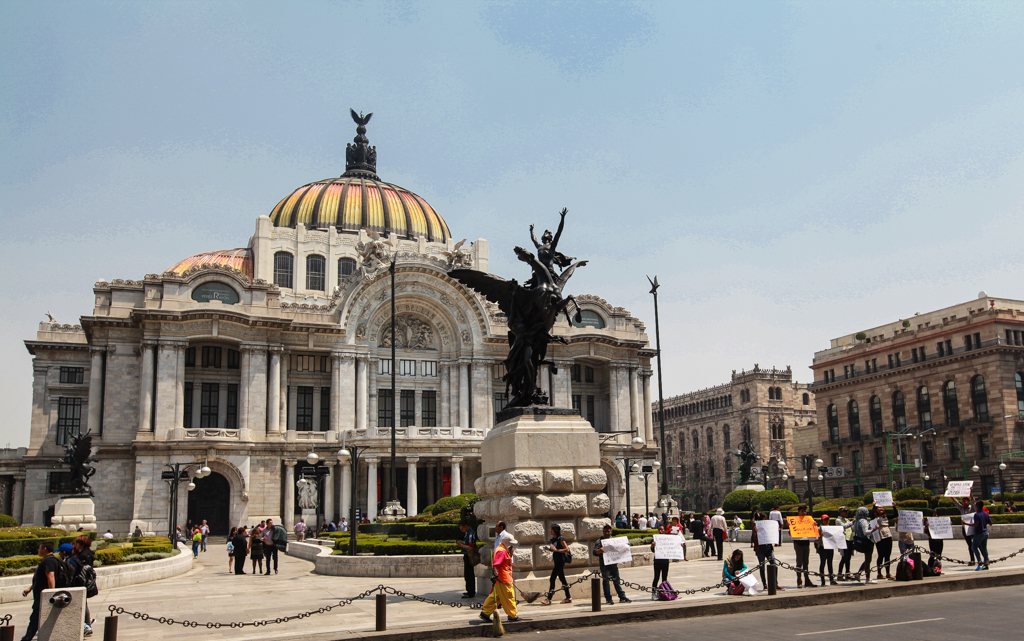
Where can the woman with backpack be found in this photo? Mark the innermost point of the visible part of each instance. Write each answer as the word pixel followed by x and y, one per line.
pixel 559 554
pixel 733 568
pixel 660 570
pixel 862 543
pixel 884 545
pixel 82 560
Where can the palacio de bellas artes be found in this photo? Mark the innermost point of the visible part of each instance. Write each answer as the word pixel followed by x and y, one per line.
pixel 246 360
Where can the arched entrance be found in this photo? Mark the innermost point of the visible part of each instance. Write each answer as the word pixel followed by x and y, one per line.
pixel 211 500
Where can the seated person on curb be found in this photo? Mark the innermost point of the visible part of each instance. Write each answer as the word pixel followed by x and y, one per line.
pixel 733 568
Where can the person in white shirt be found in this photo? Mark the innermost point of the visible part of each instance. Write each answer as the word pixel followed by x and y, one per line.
pixel 737 525
pixel 642 522
pixel 718 527
pixel 776 515
pixel 652 521
pixel 108 535
pixel 343 526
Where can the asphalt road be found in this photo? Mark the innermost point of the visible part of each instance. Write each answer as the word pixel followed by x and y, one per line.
pixel 991 614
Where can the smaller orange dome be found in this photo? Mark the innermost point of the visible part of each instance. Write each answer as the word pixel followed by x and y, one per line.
pixel 239 260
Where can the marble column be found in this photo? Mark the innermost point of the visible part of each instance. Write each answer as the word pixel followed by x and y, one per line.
pixel 464 395
pixel 648 409
pixel 634 405
pixel 146 387
pixel 274 392
pixel 431 480
pixel 282 421
pixel 18 499
pixel 289 494
pixel 166 370
pixel 374 401
pixel 328 497
pixel 335 412
pixel 179 390
pixel 456 475
pixel 95 390
pixel 361 394
pixel 346 487
pixel 443 418
pixel 371 488
pixel 613 403
pixel 412 490
pixel 544 383
pixel 244 380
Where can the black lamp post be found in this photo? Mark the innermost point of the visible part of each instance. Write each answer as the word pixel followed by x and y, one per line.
pixel 810 462
pixel 353 451
pixel 393 492
pixel 661 399
pixel 174 476
pixel 317 472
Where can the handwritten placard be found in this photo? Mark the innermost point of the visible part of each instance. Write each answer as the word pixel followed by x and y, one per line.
pixel 912 522
pixel 833 537
pixel 959 489
pixel 883 499
pixel 668 547
pixel 767 532
pixel 876 536
pixel 616 550
pixel 802 527
pixel 940 527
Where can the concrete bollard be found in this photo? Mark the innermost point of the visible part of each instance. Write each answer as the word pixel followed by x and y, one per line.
pixel 918 566
pixel 382 614
pixel 7 633
pixel 62 614
pixel 110 629
pixel 773 579
pixel 595 595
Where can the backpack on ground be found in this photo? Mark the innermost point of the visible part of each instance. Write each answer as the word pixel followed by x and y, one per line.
pixel 65 574
pixel 666 592
pixel 904 571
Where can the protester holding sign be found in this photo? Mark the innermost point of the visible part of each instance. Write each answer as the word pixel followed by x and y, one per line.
pixel 862 543
pixel 935 538
pixel 803 531
pixel 966 522
pixel 609 571
pixel 884 545
pixel 763 537
pixel 824 555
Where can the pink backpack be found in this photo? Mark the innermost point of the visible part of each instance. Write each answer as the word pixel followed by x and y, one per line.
pixel 666 592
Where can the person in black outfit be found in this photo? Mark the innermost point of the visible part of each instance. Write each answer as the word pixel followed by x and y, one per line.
pixel 468 545
pixel 559 551
pixel 43 579
pixel 241 544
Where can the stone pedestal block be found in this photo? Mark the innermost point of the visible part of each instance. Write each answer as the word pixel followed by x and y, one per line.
pixel 72 513
pixel 62 623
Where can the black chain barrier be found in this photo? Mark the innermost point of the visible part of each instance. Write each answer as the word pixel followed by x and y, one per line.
pixel 723 583
pixel 5 620
pixel 808 571
pixel 961 562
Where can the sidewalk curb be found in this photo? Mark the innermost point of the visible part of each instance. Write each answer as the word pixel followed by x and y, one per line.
pixel 667 612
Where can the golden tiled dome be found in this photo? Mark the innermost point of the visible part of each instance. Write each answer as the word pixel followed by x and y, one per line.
pixel 359 200
pixel 239 260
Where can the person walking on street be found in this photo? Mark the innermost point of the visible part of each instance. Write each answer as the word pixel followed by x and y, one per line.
pixel 79 556
pixel 197 540
pixel 503 591
pixel 802 547
pixel 559 554
pixel 862 532
pixel 240 549
pixel 824 556
pixel 709 542
pixel 884 545
pixel 256 549
pixel 300 530
pixel 847 555
pixel 609 572
pixel 275 540
pixel 718 528
pixel 231 548
pixel 468 546
pixel 981 523
pixel 44 578
pixel 204 529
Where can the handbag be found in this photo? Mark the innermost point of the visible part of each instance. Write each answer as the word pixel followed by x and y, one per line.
pixel 566 557
pixel 474 556
pixel 862 544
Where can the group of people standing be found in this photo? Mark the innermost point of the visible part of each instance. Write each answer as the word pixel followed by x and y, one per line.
pixel 259 543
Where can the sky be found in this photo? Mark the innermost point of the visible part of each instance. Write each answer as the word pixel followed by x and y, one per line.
pixel 791 172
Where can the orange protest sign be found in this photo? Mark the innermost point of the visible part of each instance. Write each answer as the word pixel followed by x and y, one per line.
pixel 802 527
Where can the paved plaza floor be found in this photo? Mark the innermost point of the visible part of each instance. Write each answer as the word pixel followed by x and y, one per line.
pixel 210 593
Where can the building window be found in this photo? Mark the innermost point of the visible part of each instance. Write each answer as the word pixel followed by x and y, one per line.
pixel 588 373
pixel 325 409
pixel 590 409
pixel 577 403
pixel 833 424
pixel 745 430
pixel 407 408
pixel 385 408
pixel 899 411
pixel 69 419
pixel 234 359
pixel 875 412
pixel 304 409
pixel 924 408
pixel 309 363
pixel 72 375
pixel 187 417
pixel 856 461
pixel 316 272
pixel 984 446
pixel 853 416
pixel 1019 381
pixel 807 398
pixel 726 440
pixel 211 356
pixel 927 451
pixel 979 399
pixel 407 368
pixel 429 368
pixel 231 416
pixel 284 268
pixel 879 458
pixel 771 393
pixel 954 449
pixel 574 373
pixel 383 367
pixel 59 482
pixel 429 410
pixel 778 431
pixel 949 404
pixel 209 405
pixel 500 401
pixel 711 439
pixel 837 492
pixel 696 441
pixel 346 267
pixel 913 354
pixel 190 357
pixel 589 319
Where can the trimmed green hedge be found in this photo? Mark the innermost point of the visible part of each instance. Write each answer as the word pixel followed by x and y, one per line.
pixel 407 529
pixel 770 498
pixel 6 520
pixel 739 500
pixel 628 532
pixel 913 494
pixel 915 505
pixel 29 546
pixel 438 533
pixel 110 556
pixel 139 548
pixel 14 563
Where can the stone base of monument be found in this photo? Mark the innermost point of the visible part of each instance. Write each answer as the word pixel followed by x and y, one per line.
pixel 541 468
pixel 393 511
pixel 72 513
pixel 757 487
pixel 64 619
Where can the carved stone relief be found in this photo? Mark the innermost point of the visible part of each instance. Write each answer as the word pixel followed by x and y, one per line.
pixel 410 333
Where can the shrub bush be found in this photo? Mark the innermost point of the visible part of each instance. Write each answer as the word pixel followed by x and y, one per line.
pixel 407 529
pixel 912 494
pixel 110 556
pixel 399 548
pixel 449 503
pixel 739 500
pixel 17 562
pixel 6 520
pixel 154 556
pixel 770 498
pixel 628 532
pixel 451 517
pixel 438 533
pixel 132 558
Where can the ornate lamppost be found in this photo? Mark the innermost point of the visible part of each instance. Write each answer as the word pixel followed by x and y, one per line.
pixel 174 475
pixel 665 500
pixel 317 474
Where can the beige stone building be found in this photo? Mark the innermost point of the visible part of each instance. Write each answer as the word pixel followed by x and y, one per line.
pixel 248 359
pixel 946 386
pixel 761 406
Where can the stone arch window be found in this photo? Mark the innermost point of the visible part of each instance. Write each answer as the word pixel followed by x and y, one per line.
pixel 682 470
pixel 726 440
pixel 696 440
pixel 853 417
pixel 316 273
pixel 778 393
pixel 711 470
pixel 346 267
pixel 807 398
pixel 875 412
pixel 833 423
pixel 711 439
pixel 727 465
pixel 949 404
pixel 682 443
pixel 979 399
pixel 899 410
pixel 778 428
pixel 924 407
pixel 771 393
pixel 589 318
pixel 1019 381
pixel 284 269
pixel 745 430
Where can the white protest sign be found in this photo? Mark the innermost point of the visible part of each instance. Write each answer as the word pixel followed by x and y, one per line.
pixel 940 527
pixel 668 547
pixel 968 521
pixel 876 536
pixel 912 522
pixel 959 489
pixel 750 583
pixel 833 537
pixel 616 550
pixel 767 532
pixel 883 499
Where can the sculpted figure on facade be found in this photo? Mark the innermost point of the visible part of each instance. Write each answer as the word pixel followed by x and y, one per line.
pixel 373 255
pixel 307 496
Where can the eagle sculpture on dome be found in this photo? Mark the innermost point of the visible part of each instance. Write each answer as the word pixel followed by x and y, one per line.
pixel 359 118
pixel 532 309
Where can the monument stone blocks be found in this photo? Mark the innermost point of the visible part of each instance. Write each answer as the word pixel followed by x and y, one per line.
pixel 599 503
pixel 522 481
pixel 528 531
pixel 513 507
pixel 560 505
pixel 590 528
pixel 590 479
pixel 558 480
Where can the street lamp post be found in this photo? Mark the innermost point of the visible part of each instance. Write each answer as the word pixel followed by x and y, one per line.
pixel 393 492
pixel 661 400
pixel 174 475
pixel 352 452
pixel 810 463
